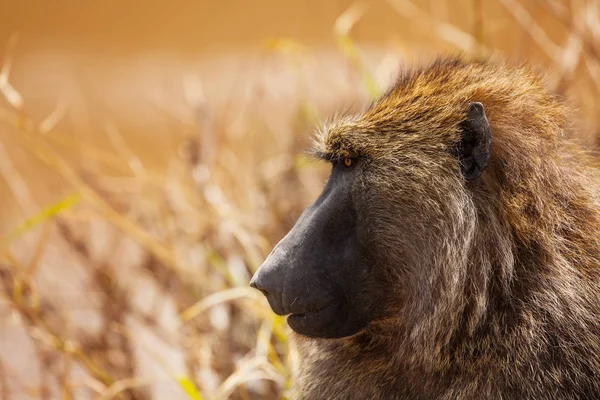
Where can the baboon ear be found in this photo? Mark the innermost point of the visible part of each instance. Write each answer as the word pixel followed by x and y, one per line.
pixel 475 145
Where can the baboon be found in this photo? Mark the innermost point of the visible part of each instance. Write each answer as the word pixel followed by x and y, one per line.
pixel 454 252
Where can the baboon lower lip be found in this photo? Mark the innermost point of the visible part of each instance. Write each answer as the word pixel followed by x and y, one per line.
pixel 326 321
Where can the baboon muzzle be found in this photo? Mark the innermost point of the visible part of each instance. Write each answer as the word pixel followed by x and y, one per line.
pixel 308 275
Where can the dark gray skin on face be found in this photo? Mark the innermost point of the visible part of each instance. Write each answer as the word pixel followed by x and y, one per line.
pixel 322 272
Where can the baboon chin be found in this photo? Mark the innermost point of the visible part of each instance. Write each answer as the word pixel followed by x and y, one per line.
pixel 454 251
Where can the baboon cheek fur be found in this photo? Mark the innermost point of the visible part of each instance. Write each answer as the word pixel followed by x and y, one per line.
pixel 478 250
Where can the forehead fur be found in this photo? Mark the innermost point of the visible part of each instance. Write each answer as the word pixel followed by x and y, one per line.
pixel 426 105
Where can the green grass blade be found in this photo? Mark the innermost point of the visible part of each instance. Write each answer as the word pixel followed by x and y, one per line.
pixel 189 388
pixel 44 215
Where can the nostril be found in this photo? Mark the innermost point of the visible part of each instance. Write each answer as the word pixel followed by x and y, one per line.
pixel 255 285
pixel 270 288
pixel 254 282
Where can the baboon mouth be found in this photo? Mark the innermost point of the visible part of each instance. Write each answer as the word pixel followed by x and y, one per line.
pixel 311 312
pixel 315 322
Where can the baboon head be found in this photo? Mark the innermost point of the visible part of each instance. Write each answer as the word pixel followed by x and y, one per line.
pixel 395 217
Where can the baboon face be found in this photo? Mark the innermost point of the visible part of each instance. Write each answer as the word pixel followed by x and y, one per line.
pixel 362 248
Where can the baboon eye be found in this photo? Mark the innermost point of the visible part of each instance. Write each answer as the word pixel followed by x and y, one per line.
pixel 348 162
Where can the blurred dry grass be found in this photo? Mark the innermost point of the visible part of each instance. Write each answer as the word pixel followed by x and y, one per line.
pixel 124 263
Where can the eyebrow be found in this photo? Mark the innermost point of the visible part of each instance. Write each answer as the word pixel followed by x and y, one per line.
pixel 324 156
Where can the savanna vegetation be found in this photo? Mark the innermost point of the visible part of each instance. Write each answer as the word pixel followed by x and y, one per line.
pixel 128 240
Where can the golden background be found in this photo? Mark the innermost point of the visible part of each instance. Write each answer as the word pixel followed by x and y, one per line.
pixel 151 153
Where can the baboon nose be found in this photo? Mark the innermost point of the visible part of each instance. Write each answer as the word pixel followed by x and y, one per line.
pixel 269 279
pixel 258 282
pixel 254 283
